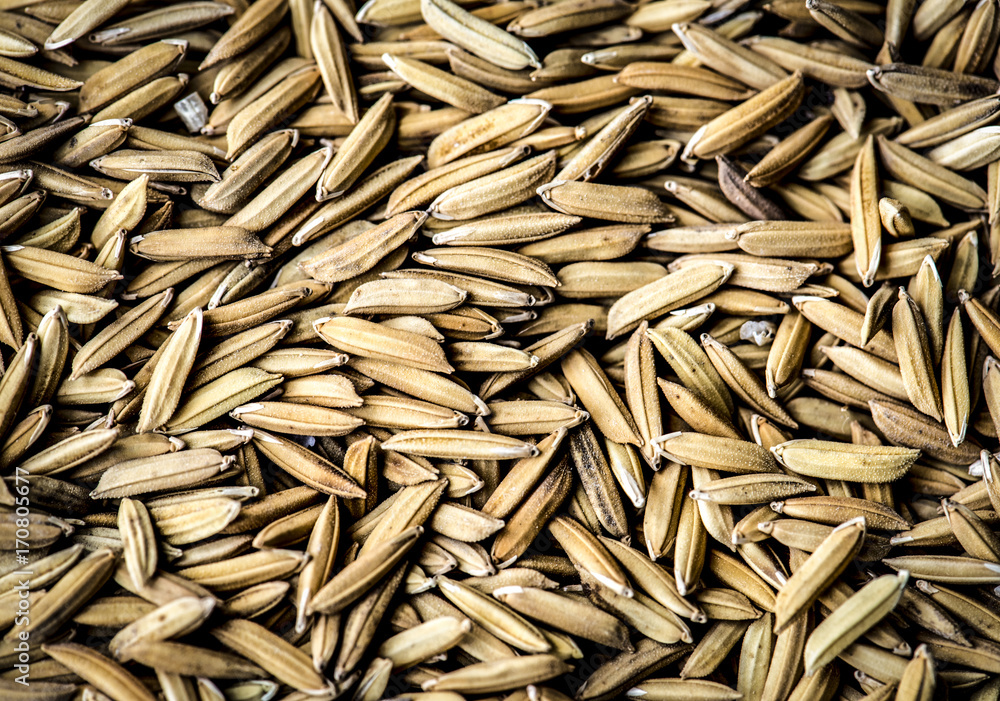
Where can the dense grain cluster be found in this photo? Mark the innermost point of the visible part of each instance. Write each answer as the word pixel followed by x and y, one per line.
pixel 526 350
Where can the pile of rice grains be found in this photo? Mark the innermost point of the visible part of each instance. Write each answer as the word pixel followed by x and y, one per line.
pixel 527 350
